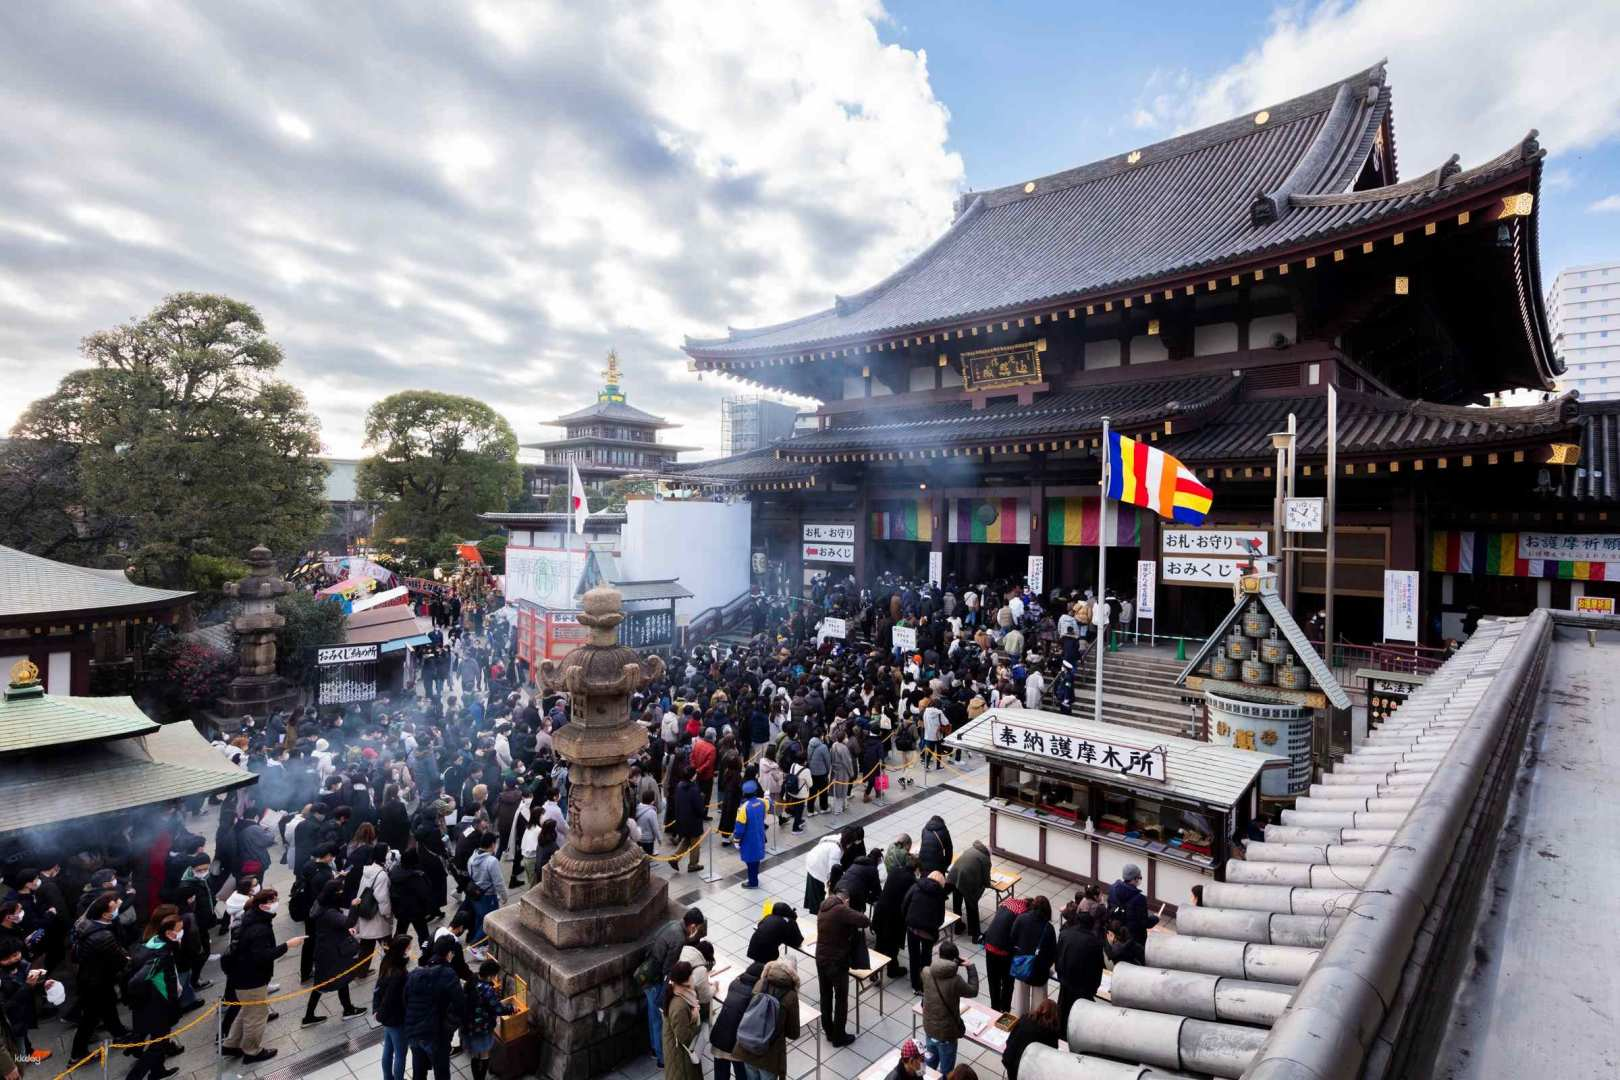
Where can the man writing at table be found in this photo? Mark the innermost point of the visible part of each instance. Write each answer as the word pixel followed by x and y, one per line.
pixel 837 925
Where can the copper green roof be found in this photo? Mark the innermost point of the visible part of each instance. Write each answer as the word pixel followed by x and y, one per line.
pixel 42 720
pixel 33 588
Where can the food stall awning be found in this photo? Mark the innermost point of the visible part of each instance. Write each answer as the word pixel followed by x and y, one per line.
pixel 405 643
pixel 384 626
pixel 1194 771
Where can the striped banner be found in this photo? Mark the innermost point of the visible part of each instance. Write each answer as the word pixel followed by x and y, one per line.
pixel 1073 521
pixel 1458 551
pixel 989 521
pixel 910 519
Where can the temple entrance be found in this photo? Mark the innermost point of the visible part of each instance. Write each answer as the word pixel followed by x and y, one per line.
pixel 906 558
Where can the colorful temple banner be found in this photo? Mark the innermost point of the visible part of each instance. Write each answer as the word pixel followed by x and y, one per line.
pixel 910 519
pixel 1497 554
pixel 989 521
pixel 1073 522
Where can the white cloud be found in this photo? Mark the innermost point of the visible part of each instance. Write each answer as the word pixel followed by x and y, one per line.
pixel 474 200
pixel 1609 204
pixel 1470 76
pixel 294 125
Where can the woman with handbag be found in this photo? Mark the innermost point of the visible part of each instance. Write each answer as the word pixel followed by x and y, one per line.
pixel 374 904
pixel 1034 949
pixel 336 950
pixel 683 1050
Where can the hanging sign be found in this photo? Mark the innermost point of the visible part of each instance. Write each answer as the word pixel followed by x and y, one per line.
pixel 1003 365
pixel 1595 605
pixel 839 553
pixel 1233 543
pixel 1202 570
pixel 345 673
pixel 905 638
pixel 1147 570
pixel 1037 574
pixel 344 654
pixel 936 568
pixel 1570 547
pixel 1135 762
pixel 832 534
pixel 1400 605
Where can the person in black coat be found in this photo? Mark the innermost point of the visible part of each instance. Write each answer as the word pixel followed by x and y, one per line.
pixel 434 1007
pixel 316 874
pixel 1123 948
pixel 935 851
pixel 690 813
pixel 888 914
pixel 723 1035
pixel 336 951
pixel 1079 965
pixel 410 895
pixel 1037 1026
pixel 394 821
pixel 388 1003
pixel 154 1000
pixel 862 880
pixel 1126 895
pixel 1032 935
pixel 924 911
pixel 102 960
pixel 775 930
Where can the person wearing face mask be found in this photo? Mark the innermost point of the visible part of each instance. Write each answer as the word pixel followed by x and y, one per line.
pixel 17 986
pixel 102 959
pixel 153 993
pixel 250 960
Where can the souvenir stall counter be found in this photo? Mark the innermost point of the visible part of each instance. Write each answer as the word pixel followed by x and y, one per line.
pixel 1081 799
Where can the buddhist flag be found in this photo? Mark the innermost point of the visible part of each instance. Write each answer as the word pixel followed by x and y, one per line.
pixel 1143 476
pixel 576 499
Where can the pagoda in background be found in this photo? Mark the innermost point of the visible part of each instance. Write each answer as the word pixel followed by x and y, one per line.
pixel 608 440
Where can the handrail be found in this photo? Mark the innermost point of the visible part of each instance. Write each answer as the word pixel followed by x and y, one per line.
pixel 696 627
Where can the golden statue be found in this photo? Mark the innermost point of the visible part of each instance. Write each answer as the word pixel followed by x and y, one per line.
pixel 610 374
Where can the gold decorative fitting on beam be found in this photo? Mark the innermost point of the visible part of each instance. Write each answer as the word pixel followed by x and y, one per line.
pixel 1261 117
pixel 1366 247
pixel 1398 239
pixel 1518 205
pixel 1307 470
pixel 1029 187
pixel 1372 467
pixel 1037 321
pixel 1040 345
pixel 1091 309
pixel 1169 427
pixel 1259 275
pixel 1518 457
pixel 1429 229
pixel 866 373
pixel 1212 286
pixel 1562 454
pixel 1020 323
pixel 1127 301
pixel 1236 280
pixel 944 361
pixel 1468 460
pixel 1265 473
pixel 1310 262
pixel 1338 255
pixel 1440 463
pixel 1153 326
pixel 1169 294
pixel 1463 218
pixel 1191 289
pixel 1349 470
pixel 1108 305
pixel 1004 325
pixel 1403 285
pixel 1133 157
pixel 1417 465
pixel 1147 298
pixel 1394 466
pixel 1071 313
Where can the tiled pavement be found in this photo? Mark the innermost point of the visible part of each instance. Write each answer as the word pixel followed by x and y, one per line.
pixel 336 1050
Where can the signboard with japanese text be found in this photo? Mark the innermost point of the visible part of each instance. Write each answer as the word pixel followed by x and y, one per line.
pixel 1400 605
pixel 1595 605
pixel 905 638
pixel 830 534
pixel 1003 365
pixel 1570 547
pixel 344 654
pixel 1147 571
pixel 1037 574
pixel 1201 570
pixel 1134 762
pixel 833 628
pixel 345 673
pixel 1232 543
pixel 839 553
pixel 936 568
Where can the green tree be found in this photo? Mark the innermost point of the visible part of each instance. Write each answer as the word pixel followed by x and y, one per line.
pixel 186 443
pixel 493 549
pixel 43 495
pixel 310 622
pixel 437 462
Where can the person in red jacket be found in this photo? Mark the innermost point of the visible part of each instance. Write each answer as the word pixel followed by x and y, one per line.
pixel 704 757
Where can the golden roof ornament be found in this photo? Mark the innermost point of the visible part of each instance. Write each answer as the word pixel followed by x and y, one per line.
pixel 611 375
pixel 24 674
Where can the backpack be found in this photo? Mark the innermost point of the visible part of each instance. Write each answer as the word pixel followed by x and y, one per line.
pixel 229 955
pixel 367 905
pixel 299 902
pixel 138 984
pixel 757 1029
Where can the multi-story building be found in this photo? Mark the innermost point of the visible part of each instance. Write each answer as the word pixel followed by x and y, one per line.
pixel 750 422
pixel 608 441
pixel 1583 309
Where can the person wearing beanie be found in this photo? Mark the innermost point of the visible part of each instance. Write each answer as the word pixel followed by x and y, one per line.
pixel 751 818
pixel 910 1065
pixel 1125 895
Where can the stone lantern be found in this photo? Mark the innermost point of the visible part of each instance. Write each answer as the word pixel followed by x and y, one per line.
pixel 257 689
pixel 577 937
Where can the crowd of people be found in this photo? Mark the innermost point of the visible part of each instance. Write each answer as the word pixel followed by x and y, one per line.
pixel 405 821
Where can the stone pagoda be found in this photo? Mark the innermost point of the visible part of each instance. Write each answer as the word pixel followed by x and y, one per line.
pixel 257 689
pixel 577 937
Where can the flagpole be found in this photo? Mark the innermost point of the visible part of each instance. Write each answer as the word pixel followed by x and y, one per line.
pixel 1100 606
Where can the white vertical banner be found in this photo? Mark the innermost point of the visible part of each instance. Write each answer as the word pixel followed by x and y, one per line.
pixel 1400 605
pixel 1037 574
pixel 1147 571
pixel 936 568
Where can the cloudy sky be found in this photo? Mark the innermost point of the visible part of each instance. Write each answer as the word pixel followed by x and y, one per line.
pixel 482 198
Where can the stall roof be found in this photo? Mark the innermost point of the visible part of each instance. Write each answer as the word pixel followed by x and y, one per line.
pixel 49 787
pixel 1199 771
pixel 381 625
pixel 663 589
pixel 34 721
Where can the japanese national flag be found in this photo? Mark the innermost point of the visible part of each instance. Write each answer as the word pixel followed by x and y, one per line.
pixel 576 499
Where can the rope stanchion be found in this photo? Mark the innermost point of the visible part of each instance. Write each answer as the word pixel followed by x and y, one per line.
pixel 98 1054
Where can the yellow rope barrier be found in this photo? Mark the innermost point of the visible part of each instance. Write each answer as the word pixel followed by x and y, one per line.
pixel 98 1054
